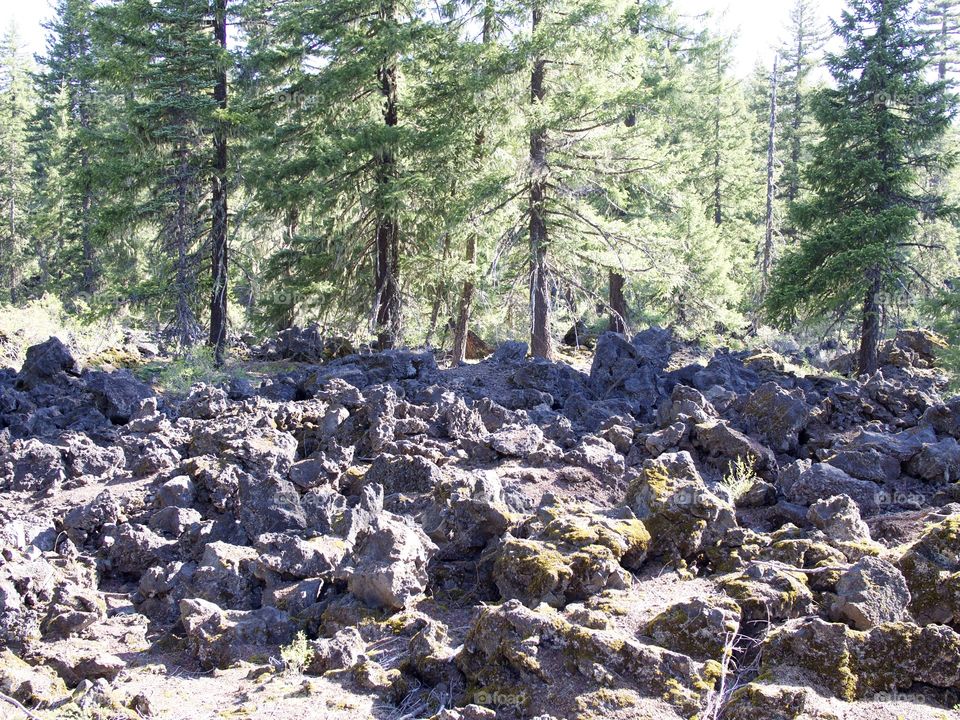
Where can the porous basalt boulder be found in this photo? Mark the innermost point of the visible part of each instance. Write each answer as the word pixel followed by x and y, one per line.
pixel 931 567
pixel 870 593
pixel 703 628
pixel 854 664
pixel 220 638
pixel 675 505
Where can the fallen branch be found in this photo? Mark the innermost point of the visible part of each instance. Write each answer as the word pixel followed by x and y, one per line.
pixel 19 706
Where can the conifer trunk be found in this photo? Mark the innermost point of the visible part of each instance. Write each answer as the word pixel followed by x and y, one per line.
pixel 618 303
pixel 387 229
pixel 771 160
pixel 793 189
pixel 540 341
pixel 90 270
pixel 185 321
pixel 218 300
pixel 462 328
pixel 867 357
pixel 466 303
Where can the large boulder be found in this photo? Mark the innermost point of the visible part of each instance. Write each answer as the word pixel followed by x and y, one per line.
pixel 225 576
pixel 839 519
pixel 854 664
pixel 117 394
pixel 725 445
pixel 388 565
pixel 937 462
pixel 867 464
pixel 48 362
pixel 571 555
pixel 931 567
pixel 268 505
pixel 83 458
pixel 870 593
pixel 31 465
pixel 220 638
pixel 776 416
pixel 630 370
pixel 678 509
pixel 805 483
pixel 703 628
pixel 769 592
pixel 686 405
pixel 408 474
pixel 517 652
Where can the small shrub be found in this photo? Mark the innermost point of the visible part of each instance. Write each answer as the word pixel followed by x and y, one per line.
pixel 297 655
pixel 196 366
pixel 740 476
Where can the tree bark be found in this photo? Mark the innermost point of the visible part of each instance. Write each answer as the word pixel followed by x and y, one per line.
pixel 459 353
pixel 386 283
pixel 440 292
pixel 618 303
pixel 287 318
pixel 185 321
pixel 867 357
pixel 462 328
pixel 540 341
pixel 793 189
pixel 218 299
pixel 717 176
pixel 771 160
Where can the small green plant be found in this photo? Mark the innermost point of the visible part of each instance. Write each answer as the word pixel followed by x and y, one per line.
pixel 196 366
pixel 297 655
pixel 740 476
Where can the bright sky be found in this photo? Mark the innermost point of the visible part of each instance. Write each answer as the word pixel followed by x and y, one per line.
pixel 760 24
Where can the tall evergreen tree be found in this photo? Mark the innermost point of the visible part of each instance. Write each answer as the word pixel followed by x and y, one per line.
pixel 16 108
pixel 219 190
pixel 880 126
pixel 801 54
pixel 161 61
pixel 940 21
pixel 64 144
pixel 330 83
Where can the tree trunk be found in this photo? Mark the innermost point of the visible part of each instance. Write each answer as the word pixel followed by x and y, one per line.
pixel 440 292
pixel 793 189
pixel 287 318
pixel 218 299
pixel 618 303
pixel 466 302
pixel 462 328
pixel 771 160
pixel 867 358
pixel 185 321
pixel 717 177
pixel 387 231
pixel 540 341
pixel 944 36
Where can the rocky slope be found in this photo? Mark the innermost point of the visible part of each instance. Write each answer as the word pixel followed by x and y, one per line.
pixel 375 537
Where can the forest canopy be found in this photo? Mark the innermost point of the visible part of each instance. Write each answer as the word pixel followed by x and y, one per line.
pixel 409 173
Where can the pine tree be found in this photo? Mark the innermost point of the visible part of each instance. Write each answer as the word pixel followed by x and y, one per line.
pixel 801 54
pixel 219 191
pixel 63 146
pixel 337 134
pixel 940 22
pixel 880 127
pixel 465 305
pixel 160 59
pixel 16 101
pixel 725 168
